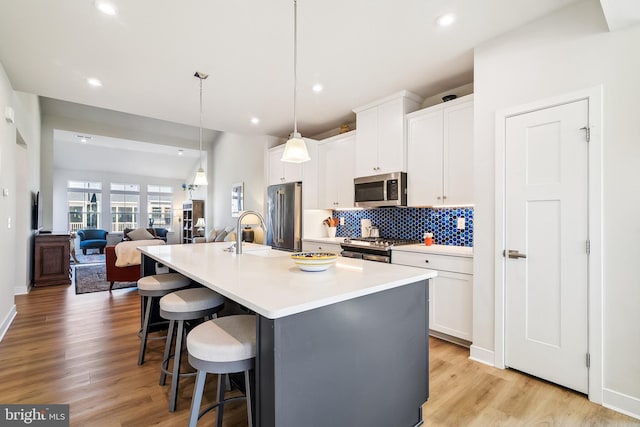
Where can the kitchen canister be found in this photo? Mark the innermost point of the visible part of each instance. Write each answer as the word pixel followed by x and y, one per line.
pixel 247 234
pixel 428 239
pixel 365 226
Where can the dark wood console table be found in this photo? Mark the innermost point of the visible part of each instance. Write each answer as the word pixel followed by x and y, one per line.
pixel 51 259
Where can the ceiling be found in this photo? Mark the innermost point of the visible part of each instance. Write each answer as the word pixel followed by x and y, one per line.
pixel 146 55
pixel 99 153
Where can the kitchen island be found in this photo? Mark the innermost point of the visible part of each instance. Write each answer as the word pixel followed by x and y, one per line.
pixel 342 347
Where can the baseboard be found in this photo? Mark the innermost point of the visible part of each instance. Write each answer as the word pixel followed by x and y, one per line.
pixel 622 403
pixel 449 338
pixel 22 290
pixel 8 320
pixel 482 355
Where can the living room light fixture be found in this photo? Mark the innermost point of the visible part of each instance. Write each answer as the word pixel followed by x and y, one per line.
pixel 200 225
pixel 295 150
pixel 201 177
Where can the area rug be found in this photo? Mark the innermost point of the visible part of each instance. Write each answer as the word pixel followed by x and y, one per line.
pixel 90 258
pixel 93 278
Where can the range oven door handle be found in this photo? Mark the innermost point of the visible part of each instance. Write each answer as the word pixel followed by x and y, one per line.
pixel 351 254
pixel 378 258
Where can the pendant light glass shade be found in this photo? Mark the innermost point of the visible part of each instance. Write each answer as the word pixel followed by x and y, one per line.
pixel 201 177
pixel 295 150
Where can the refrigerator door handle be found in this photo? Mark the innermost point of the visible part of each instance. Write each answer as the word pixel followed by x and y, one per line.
pixel 279 213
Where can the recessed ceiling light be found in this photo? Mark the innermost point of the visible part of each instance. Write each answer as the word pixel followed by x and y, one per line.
pixel 446 19
pixel 106 8
pixel 317 88
pixel 84 138
pixel 255 120
pixel 180 152
pixel 94 82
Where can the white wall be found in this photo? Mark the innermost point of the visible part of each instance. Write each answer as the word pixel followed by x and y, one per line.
pixel 15 240
pixel 26 164
pixel 568 51
pixel 235 158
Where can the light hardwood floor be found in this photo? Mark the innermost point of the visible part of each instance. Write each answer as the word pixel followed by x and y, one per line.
pixel 82 350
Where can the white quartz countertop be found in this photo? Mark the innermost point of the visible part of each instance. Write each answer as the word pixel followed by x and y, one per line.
pixel 463 251
pixel 269 283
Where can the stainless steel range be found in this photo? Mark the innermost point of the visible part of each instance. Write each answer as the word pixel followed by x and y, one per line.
pixel 372 248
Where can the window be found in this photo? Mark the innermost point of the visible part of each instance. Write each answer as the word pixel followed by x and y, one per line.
pixel 160 206
pixel 84 199
pixel 125 206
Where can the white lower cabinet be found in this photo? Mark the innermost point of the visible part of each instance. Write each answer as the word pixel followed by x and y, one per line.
pixel 450 294
pixel 313 246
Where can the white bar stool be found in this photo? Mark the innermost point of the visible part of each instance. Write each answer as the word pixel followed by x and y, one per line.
pixel 178 306
pixel 222 346
pixel 156 286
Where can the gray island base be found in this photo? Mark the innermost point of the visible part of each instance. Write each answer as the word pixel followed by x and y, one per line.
pixel 362 362
pixel 346 347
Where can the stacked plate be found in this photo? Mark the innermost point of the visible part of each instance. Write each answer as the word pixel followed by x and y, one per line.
pixel 314 261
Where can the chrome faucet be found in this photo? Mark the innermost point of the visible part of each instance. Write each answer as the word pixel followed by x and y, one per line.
pixel 239 230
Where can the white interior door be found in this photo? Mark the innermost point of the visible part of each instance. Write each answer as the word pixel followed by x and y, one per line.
pixel 547 227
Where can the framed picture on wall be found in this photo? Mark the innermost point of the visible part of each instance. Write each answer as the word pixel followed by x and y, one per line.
pixel 237 198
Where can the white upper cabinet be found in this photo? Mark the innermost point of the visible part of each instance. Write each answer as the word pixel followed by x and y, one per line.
pixel 336 164
pixel 381 141
pixel 440 154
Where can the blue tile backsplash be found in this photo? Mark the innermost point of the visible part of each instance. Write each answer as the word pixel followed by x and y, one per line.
pixel 412 223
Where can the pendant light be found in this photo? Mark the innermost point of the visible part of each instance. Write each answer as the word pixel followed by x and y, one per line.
pixel 201 177
pixel 295 150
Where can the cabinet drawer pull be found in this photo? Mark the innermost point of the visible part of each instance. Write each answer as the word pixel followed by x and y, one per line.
pixel 426 260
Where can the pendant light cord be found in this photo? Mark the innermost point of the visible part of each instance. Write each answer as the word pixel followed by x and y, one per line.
pixel 295 64
pixel 200 122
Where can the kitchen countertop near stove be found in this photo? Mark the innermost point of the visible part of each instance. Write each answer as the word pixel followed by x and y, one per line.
pixel 462 251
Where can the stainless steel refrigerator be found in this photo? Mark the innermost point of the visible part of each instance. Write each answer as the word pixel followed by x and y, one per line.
pixel 284 216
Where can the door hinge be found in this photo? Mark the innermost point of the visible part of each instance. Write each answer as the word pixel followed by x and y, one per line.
pixel 588 247
pixel 587 131
pixel 588 360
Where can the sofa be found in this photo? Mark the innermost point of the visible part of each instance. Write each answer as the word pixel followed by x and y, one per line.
pixel 92 238
pixel 119 274
pixel 157 233
pixel 128 267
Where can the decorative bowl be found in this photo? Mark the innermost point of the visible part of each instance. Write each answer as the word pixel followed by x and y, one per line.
pixel 314 261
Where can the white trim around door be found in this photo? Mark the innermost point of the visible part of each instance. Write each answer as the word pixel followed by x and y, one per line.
pixel 595 269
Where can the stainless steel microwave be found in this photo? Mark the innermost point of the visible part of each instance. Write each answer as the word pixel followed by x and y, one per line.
pixel 381 190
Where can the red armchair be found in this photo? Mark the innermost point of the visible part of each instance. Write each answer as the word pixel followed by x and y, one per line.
pixel 119 274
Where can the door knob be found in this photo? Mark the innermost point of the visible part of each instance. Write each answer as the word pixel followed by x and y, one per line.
pixel 512 253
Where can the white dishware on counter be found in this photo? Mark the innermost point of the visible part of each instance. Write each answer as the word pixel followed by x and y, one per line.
pixel 314 261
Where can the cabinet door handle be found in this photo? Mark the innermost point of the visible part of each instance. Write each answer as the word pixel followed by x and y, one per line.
pixel 427 261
